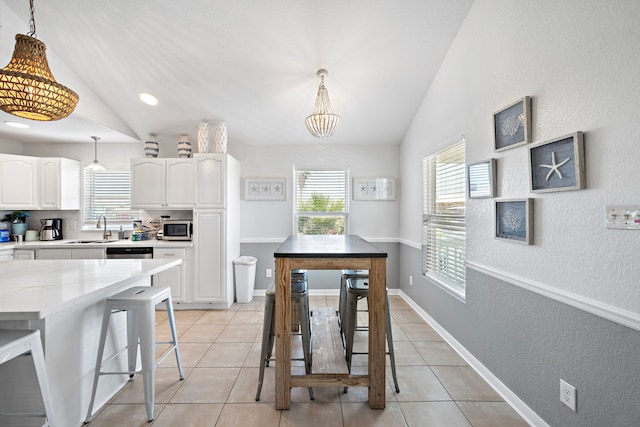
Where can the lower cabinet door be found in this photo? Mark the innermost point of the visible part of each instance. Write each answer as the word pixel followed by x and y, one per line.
pixel 173 277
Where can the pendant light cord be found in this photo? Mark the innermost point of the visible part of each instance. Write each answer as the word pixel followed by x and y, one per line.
pixel 95 140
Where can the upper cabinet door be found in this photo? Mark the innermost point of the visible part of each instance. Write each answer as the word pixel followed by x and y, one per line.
pixel 181 183
pixel 50 183
pixel 148 183
pixel 210 189
pixel 19 182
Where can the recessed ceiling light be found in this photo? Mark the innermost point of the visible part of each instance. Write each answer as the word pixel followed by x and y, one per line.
pixel 17 125
pixel 147 98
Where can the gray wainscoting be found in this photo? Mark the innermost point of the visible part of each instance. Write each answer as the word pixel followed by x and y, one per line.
pixel 529 342
pixel 318 280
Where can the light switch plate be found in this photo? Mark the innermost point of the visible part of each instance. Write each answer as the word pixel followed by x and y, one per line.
pixel 623 217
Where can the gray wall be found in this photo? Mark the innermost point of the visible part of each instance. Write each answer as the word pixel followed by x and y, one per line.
pixel 529 341
pixel 318 280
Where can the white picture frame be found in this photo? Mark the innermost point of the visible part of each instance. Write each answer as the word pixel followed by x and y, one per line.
pixel 265 188
pixel 374 188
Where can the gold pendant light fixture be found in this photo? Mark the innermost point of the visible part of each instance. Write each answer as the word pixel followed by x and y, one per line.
pixel 322 123
pixel 27 87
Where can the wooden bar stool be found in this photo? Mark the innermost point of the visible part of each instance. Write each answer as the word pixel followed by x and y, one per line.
pixel 300 299
pixel 15 343
pixel 139 302
pixel 358 288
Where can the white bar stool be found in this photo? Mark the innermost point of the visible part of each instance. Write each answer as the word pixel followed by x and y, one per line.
pixel 16 342
pixel 139 302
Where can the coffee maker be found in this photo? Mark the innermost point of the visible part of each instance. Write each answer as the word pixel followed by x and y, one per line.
pixel 51 229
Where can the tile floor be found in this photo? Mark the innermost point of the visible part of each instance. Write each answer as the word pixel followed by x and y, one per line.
pixel 220 354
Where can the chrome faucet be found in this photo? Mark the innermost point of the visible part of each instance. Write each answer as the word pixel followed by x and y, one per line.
pixel 107 233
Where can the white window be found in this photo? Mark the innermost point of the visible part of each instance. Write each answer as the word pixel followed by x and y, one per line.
pixel 443 225
pixel 321 201
pixel 108 193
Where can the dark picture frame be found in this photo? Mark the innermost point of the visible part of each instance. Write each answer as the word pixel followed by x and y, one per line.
pixel 481 179
pixel 514 220
pixel 512 125
pixel 557 164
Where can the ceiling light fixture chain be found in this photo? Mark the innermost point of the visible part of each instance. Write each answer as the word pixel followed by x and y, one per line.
pixel 32 21
pixel 27 86
pixel 322 123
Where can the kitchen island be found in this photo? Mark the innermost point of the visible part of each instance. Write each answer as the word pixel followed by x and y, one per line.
pixel 64 299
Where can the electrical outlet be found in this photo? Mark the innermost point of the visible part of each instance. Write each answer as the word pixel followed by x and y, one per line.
pixel 269 272
pixel 410 280
pixel 568 394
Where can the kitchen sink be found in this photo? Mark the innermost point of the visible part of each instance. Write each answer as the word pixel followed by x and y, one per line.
pixel 81 242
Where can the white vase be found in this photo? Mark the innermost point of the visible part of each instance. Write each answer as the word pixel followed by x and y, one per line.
pixel 221 138
pixel 151 147
pixel 184 146
pixel 203 137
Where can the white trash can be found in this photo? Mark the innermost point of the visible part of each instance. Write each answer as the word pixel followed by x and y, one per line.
pixel 245 272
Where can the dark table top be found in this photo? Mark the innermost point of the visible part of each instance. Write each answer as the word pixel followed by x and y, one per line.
pixel 349 246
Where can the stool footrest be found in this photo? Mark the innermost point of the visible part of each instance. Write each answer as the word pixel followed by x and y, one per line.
pixel 120 372
pixel 164 356
pixel 23 414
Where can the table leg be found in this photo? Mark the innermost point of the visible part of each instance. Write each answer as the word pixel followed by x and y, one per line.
pixel 377 330
pixel 283 333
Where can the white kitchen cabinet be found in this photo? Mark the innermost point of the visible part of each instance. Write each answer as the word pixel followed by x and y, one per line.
pixel 24 254
pixel 217 235
pixel 59 183
pixel 211 262
pixel 6 255
pixel 175 276
pixel 19 182
pixel 163 183
pixel 60 253
pixel 211 181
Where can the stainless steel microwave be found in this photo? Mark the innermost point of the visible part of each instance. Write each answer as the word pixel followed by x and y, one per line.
pixel 177 229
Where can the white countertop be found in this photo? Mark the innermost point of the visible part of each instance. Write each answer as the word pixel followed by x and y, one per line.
pixel 67 244
pixel 37 289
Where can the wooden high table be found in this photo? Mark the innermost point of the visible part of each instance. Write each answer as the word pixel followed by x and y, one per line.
pixel 349 252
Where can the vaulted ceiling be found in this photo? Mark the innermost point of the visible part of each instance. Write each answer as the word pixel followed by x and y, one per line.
pixel 249 63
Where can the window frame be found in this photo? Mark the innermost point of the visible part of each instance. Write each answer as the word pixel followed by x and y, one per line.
pixel 344 214
pixel 112 223
pixel 449 226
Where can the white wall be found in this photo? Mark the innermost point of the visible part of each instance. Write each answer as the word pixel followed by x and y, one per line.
pixel 579 61
pixel 274 220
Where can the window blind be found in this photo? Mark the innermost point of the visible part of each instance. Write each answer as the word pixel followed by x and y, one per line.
pixel 444 217
pixel 321 201
pixel 108 193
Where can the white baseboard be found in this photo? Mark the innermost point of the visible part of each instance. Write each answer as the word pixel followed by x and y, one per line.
pixel 511 398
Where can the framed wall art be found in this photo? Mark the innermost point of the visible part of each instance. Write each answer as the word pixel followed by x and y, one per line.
pixel 481 179
pixel 514 220
pixel 374 188
pixel 512 125
pixel 558 164
pixel 265 189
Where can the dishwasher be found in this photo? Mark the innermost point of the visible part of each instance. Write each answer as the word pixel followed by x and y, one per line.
pixel 130 253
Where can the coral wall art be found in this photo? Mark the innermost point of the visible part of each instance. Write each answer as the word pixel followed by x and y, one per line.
pixel 512 125
pixel 514 220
